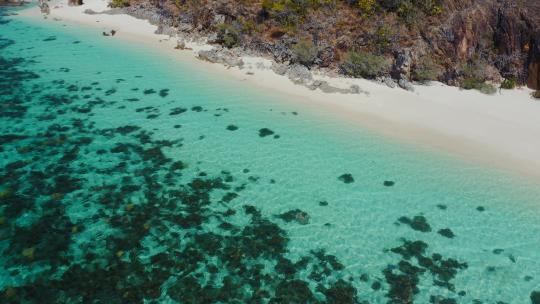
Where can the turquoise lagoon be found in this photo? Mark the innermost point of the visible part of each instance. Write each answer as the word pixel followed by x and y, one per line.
pixel 128 177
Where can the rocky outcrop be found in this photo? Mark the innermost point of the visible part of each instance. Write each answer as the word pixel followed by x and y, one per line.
pixel 533 66
pixel 504 33
pixel 299 74
pixel 279 68
pixel 220 55
pixel 44 7
pixel 499 38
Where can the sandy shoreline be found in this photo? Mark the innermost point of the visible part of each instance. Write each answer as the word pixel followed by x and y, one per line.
pixel 501 130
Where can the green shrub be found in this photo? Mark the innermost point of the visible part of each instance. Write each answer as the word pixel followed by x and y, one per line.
pixel 474 75
pixel 383 38
pixel 228 35
pixel 119 3
pixel 509 83
pixel 367 7
pixel 472 83
pixel 363 64
pixel 291 12
pixel 425 70
pixel 305 52
pixel 412 11
pixel 408 12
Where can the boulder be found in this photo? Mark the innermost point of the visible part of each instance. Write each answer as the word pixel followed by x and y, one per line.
pixel 389 82
pixel 166 30
pixel 535 297
pixel 402 65
pixel 325 56
pixel 44 7
pixel 280 69
pixel 213 39
pixel 299 74
pixel 405 84
pixel 223 56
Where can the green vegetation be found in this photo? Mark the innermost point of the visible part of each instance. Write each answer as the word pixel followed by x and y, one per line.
pixel 474 77
pixel 228 35
pixel 363 64
pixel 119 3
pixel 476 84
pixel 367 7
pixel 290 12
pixel 305 52
pixel 509 83
pixel 536 94
pixel 425 70
pixel 383 37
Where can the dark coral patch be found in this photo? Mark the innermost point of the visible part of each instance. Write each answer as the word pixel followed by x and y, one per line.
pixel 535 297
pixel 265 132
pixel 347 178
pixel 389 183
pixel 446 232
pixel 296 215
pixel 418 223
pixel 232 128
pixel 177 111
pixel 404 277
pixel 164 92
pixel 149 91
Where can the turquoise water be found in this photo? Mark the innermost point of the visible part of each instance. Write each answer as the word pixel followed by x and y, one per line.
pixel 126 177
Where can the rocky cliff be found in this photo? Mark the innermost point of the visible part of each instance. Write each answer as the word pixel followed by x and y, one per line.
pixel 459 42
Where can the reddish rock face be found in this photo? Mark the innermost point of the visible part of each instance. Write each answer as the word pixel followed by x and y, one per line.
pixel 533 13
pixel 533 79
pixel 503 35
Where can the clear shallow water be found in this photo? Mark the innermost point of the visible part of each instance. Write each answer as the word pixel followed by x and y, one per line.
pixel 125 178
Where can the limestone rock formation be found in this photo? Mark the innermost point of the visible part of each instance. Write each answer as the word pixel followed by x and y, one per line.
pixel 499 38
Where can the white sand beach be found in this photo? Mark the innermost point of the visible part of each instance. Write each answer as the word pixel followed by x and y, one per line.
pixel 501 130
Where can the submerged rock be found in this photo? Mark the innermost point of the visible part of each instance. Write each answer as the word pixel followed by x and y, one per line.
pixel 265 132
pixel 418 223
pixel 389 183
pixel 535 297
pixel 223 56
pixel 446 232
pixel 295 215
pixel 347 178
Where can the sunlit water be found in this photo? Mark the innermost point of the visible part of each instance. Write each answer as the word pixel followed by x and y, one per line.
pixel 127 177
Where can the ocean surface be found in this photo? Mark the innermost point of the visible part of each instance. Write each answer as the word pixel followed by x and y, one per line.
pixel 128 177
